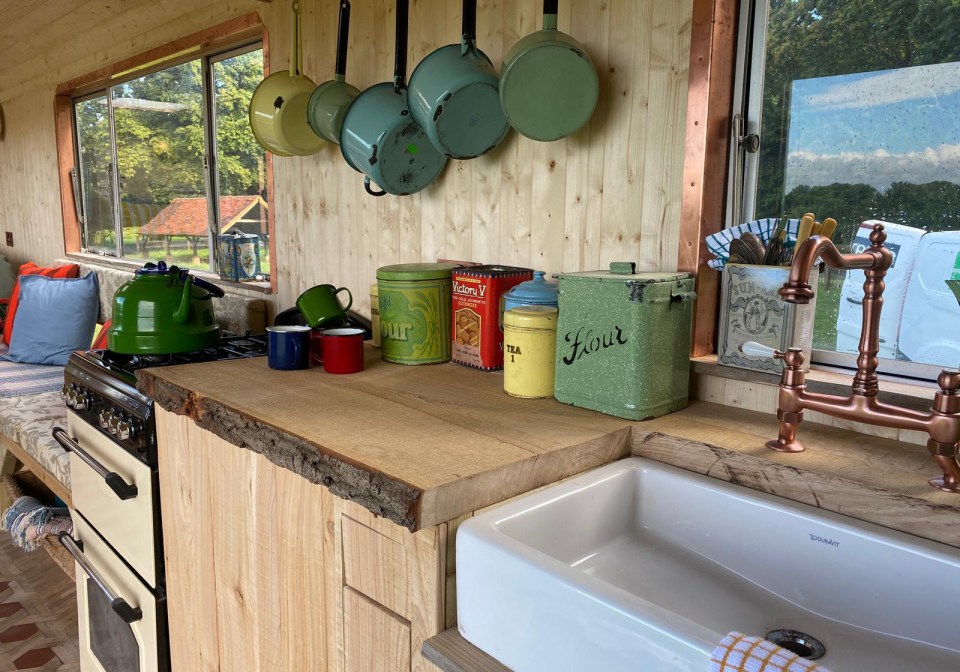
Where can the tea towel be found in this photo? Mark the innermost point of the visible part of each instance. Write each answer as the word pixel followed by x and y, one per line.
pixel 741 653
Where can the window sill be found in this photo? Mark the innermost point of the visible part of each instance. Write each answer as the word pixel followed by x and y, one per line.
pixel 916 396
pixel 132 266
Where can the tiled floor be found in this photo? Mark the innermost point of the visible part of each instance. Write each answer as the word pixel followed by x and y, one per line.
pixel 38 613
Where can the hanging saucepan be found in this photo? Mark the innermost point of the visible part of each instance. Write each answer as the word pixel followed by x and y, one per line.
pixel 278 108
pixel 548 84
pixel 455 95
pixel 380 138
pixel 330 100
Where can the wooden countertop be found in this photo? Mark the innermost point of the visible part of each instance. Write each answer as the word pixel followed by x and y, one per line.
pixel 422 445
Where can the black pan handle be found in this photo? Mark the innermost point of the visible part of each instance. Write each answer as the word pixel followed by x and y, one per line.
pixel 211 288
pixel 469 21
pixel 551 6
pixel 343 34
pixel 400 64
pixel 366 185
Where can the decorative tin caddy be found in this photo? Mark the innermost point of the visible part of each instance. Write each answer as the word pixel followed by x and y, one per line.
pixel 239 256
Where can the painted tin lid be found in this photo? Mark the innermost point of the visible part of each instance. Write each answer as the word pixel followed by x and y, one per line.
pixel 625 271
pixel 491 270
pixel 538 291
pixel 415 272
pixel 531 317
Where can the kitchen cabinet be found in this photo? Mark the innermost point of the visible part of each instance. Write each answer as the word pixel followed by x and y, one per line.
pixel 309 520
pixel 266 571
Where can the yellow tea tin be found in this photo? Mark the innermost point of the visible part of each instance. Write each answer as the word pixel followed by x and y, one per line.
pixel 375 313
pixel 529 348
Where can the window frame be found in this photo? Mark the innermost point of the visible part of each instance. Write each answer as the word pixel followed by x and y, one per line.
pixel 743 167
pixel 239 35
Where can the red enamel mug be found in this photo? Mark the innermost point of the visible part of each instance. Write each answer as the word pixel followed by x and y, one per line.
pixel 342 350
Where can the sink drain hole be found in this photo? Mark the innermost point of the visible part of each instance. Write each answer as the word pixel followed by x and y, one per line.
pixel 797 642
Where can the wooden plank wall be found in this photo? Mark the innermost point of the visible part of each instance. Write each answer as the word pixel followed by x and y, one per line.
pixel 611 192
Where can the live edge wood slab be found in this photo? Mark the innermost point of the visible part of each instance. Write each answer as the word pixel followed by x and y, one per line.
pixel 424 445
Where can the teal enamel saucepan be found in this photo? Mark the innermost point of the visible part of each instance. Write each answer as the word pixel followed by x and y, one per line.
pixel 380 138
pixel 329 101
pixel 455 95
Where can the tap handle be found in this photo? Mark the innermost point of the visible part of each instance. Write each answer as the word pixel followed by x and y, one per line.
pixel 754 349
pixel 949 381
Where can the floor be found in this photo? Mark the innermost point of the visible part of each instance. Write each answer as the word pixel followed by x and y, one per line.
pixel 38 613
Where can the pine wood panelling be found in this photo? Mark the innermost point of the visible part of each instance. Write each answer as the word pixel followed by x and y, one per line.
pixel 610 192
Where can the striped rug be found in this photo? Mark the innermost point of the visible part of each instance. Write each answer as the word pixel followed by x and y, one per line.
pixel 18 380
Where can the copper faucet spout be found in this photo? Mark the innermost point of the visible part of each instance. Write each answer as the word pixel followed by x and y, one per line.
pixel 798 290
pixel 941 423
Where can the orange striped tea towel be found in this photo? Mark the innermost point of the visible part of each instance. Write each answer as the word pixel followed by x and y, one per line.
pixel 740 653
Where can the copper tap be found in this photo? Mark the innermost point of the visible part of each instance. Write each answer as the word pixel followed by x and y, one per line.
pixel 941 423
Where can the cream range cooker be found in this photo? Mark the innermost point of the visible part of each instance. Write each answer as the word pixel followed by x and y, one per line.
pixel 117 544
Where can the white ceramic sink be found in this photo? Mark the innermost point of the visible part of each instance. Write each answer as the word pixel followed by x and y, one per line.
pixel 641 566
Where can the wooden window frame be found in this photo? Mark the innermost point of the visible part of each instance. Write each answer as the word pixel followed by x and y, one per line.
pixel 246 27
pixel 713 40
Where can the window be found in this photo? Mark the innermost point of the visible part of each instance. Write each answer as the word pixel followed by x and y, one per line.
pixel 857 107
pixel 166 162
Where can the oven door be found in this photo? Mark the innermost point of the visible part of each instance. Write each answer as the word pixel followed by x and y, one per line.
pixel 115 492
pixel 122 623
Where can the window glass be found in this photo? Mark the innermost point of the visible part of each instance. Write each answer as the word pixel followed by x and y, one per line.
pixel 860 120
pixel 95 189
pixel 171 162
pixel 241 162
pixel 160 147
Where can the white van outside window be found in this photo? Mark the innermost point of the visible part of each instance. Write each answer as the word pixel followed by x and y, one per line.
pixel 851 109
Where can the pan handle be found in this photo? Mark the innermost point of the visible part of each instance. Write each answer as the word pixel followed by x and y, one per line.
pixel 550 9
pixel 343 33
pixel 469 21
pixel 400 64
pixel 366 185
pixel 296 48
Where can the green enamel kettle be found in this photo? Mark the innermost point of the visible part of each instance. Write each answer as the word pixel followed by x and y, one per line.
pixel 163 311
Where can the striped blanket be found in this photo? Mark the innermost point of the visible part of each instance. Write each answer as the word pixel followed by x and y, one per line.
pixel 18 380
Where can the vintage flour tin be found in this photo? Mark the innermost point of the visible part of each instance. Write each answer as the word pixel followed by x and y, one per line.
pixel 415 313
pixel 478 313
pixel 239 256
pixel 530 342
pixel 751 310
pixel 623 341
pixel 375 313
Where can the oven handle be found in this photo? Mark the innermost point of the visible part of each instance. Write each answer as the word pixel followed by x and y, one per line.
pixel 118 604
pixel 121 488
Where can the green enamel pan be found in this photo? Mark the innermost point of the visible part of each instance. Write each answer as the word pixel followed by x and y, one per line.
pixel 548 84
pixel 454 95
pixel 329 101
pixel 380 138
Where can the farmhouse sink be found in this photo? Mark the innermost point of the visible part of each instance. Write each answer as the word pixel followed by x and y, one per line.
pixel 642 566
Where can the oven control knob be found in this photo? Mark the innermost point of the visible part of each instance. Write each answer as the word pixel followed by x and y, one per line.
pixel 126 429
pixel 103 418
pixel 65 390
pixel 113 422
pixel 81 399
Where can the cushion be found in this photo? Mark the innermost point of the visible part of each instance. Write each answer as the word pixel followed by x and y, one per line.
pixel 30 268
pixel 100 338
pixel 55 317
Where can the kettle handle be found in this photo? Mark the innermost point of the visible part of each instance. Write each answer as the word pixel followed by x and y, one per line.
pixel 211 288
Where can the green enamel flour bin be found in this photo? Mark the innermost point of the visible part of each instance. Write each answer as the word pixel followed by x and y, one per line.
pixel 623 341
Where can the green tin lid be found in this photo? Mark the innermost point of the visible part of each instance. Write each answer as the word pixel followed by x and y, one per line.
pixel 415 272
pixel 623 271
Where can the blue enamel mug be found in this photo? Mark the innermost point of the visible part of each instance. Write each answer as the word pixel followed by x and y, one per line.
pixel 288 347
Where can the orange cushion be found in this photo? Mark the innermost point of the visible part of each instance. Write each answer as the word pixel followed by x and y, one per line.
pixel 30 268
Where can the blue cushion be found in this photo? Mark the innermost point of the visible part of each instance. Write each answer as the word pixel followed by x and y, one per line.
pixel 58 316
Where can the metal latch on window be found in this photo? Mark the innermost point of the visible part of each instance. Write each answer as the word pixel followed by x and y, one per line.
pixel 745 143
